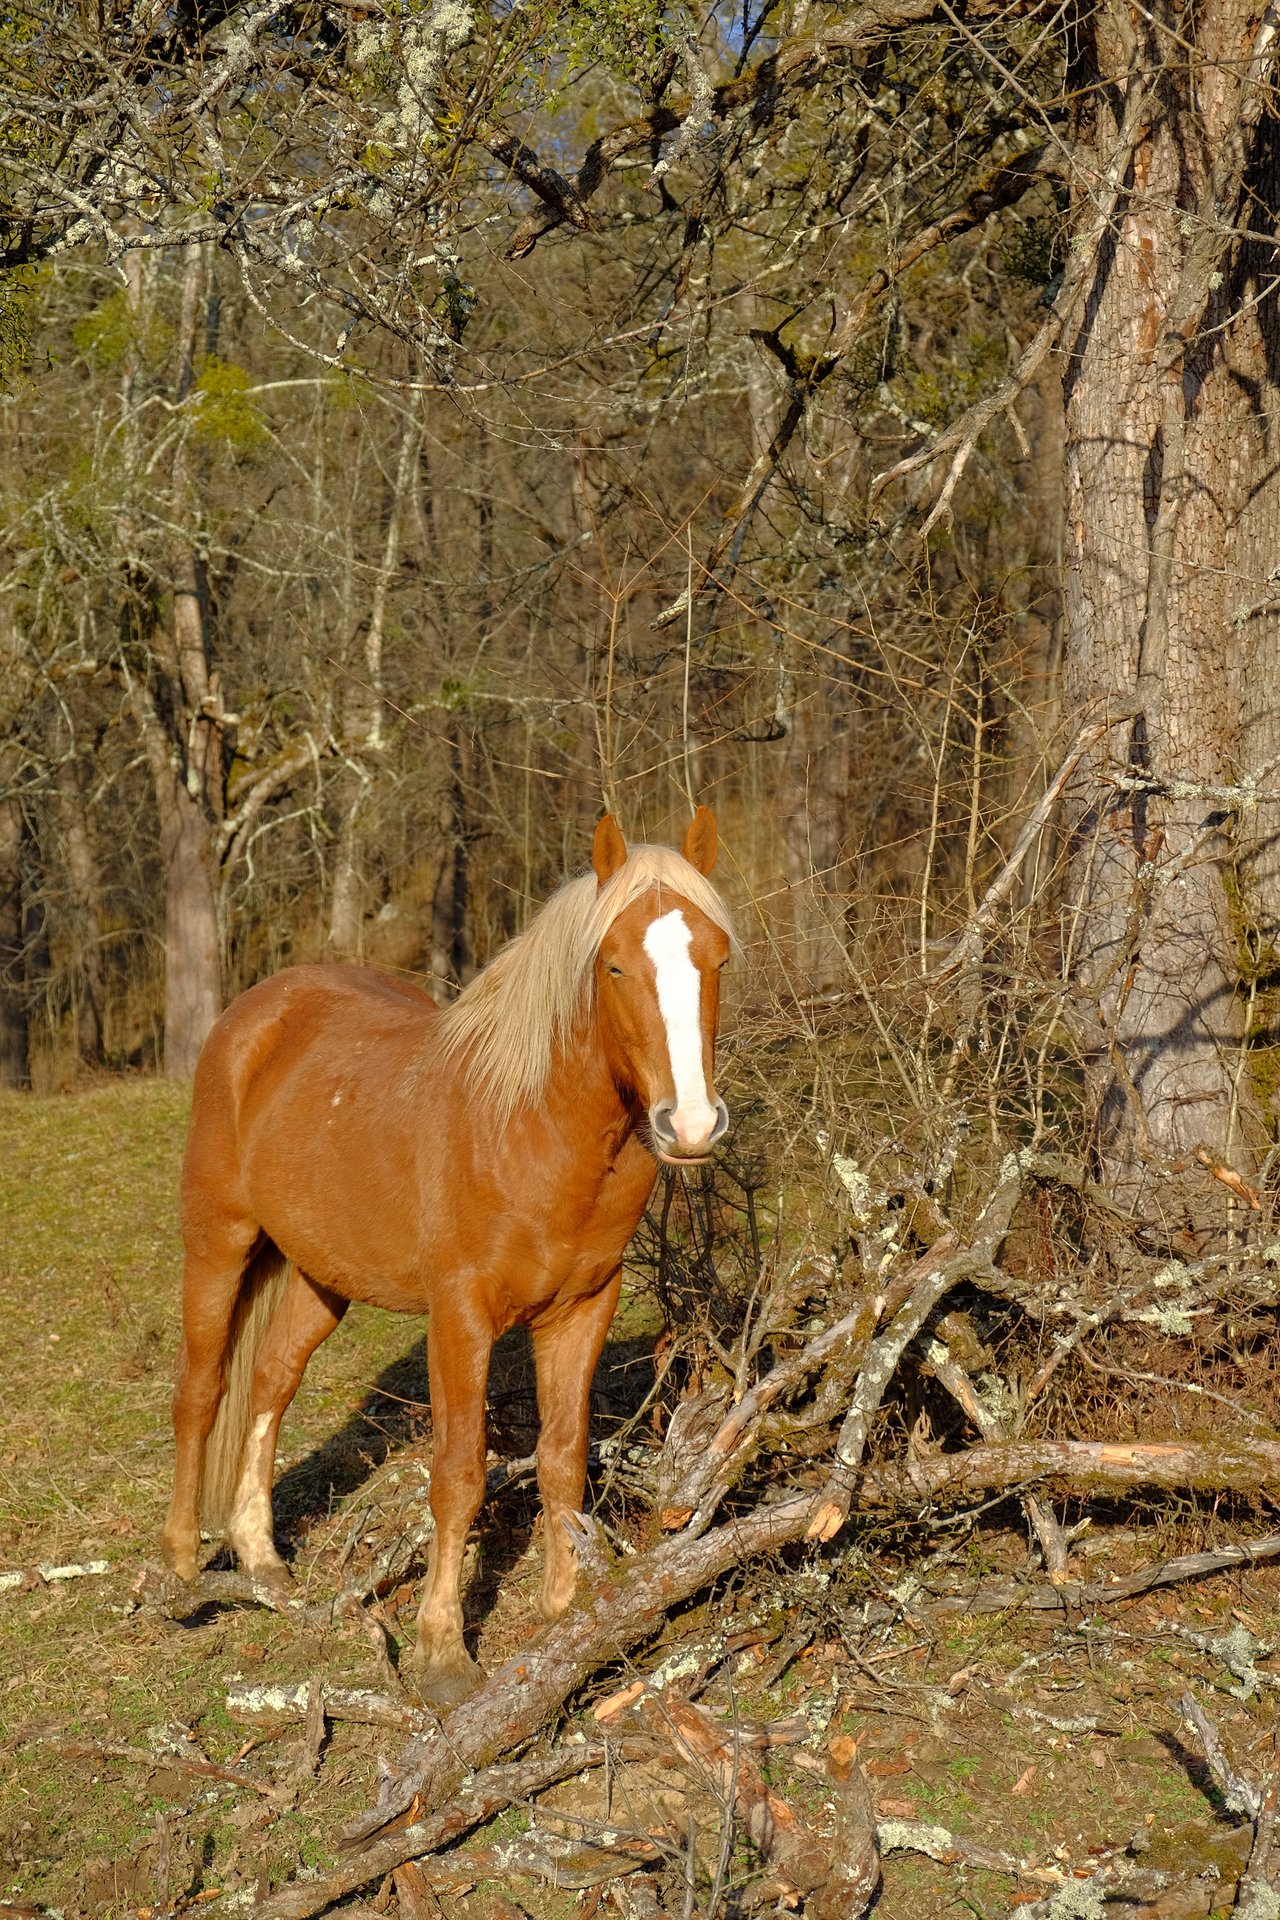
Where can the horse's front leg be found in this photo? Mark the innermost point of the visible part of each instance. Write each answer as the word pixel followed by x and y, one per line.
pixel 458 1348
pixel 566 1345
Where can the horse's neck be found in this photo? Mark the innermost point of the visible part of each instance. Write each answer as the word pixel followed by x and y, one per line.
pixel 581 1096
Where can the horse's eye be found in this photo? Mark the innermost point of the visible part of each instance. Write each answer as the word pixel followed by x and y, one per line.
pixel 616 972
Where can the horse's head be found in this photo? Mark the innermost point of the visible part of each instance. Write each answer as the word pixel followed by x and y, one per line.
pixel 658 999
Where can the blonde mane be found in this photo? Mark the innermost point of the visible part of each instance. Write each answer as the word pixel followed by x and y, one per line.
pixel 533 994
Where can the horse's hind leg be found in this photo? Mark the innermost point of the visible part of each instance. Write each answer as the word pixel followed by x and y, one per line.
pixel 566 1348
pixel 212 1277
pixel 307 1315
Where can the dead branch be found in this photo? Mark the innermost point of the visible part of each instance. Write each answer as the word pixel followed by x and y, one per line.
pixel 519 1699
pixel 953 1850
pixel 1080 1594
pixel 176 1762
pixel 950 1374
pixel 831 1881
pixel 1261 1883
pixel 1239 1466
pixel 24 1579
pixel 1240 1794
pixel 357 1704
pixel 886 1352
pixel 479 1800
pixel 705 1470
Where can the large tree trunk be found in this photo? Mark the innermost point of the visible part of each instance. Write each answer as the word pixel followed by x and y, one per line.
pixel 192 963
pixel 1159 414
pixel 85 900
pixel 179 716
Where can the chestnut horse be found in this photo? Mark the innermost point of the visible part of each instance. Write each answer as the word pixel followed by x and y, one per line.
pixel 487 1163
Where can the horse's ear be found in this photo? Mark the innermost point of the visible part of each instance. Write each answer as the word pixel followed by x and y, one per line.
pixel 608 849
pixel 702 842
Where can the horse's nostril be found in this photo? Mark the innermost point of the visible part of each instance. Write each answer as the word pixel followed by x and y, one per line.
pixel 660 1121
pixel 721 1126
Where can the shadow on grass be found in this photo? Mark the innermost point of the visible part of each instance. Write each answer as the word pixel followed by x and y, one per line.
pixel 395 1417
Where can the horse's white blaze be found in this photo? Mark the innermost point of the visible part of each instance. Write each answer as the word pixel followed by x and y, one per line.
pixel 667 942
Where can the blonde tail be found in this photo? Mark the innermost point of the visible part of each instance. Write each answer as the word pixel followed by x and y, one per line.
pixel 259 1296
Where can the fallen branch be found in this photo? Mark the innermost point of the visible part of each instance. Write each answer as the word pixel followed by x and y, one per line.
pixel 833 1881
pixel 479 1800
pixel 28 1579
pixel 1241 1795
pixel 521 1697
pixel 1238 1466
pixel 953 1850
pixel 1080 1594
pixel 885 1353
pixel 358 1704
pixel 175 1762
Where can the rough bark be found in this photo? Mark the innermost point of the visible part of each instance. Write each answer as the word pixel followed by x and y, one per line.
pixel 178 713
pixel 85 902
pixel 452 963
pixel 1166 397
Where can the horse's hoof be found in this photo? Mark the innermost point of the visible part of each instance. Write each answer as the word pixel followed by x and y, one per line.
pixel 180 1559
pixel 445 1683
pixel 273 1578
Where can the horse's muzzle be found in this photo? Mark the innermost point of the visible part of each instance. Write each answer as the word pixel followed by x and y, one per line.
pixel 688 1153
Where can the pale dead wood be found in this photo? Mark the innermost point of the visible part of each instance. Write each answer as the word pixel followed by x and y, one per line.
pixel 1000 1596
pixel 886 1352
pixel 954 1850
pixel 951 1375
pixel 358 1704
pixel 1239 1465
pixel 24 1579
pixel 1260 1887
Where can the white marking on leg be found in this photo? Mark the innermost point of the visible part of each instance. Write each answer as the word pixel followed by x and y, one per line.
pixel 667 942
pixel 249 1528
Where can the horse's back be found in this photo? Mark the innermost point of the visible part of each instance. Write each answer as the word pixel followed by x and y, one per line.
pixel 279 1040
pixel 301 1006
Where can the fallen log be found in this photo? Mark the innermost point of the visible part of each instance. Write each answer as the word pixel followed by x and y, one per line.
pixel 518 1700
pixel 1240 1466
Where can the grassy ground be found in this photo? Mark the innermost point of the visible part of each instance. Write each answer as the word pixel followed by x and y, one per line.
pixel 1047 1738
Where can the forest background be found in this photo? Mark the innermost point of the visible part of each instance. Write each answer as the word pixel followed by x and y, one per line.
pixel 425 425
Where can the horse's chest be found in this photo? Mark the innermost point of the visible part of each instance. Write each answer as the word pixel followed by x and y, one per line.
pixel 575 1248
